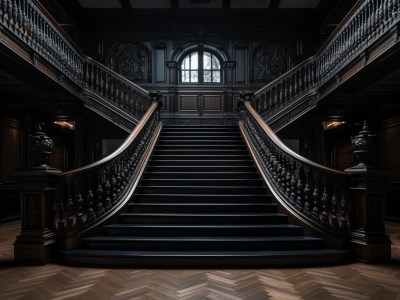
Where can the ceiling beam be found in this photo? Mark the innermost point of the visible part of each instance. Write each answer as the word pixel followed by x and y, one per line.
pixel 174 4
pixel 125 4
pixel 274 3
pixel 226 4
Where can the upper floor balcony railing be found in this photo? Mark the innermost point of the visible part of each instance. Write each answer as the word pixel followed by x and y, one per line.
pixel 366 23
pixel 34 27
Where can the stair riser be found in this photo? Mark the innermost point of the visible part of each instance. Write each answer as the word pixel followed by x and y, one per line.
pixel 201 208
pixel 203 157
pixel 202 220
pixel 203 175
pixel 201 152
pixel 210 169
pixel 206 261
pixel 160 198
pixel 201 182
pixel 208 147
pixel 216 141
pixel 200 190
pixel 222 245
pixel 185 231
pixel 199 134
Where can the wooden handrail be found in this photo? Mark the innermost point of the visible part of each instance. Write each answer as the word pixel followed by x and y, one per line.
pixel 120 149
pixel 274 138
pixel 312 192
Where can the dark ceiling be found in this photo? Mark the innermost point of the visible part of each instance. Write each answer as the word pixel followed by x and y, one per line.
pixel 220 16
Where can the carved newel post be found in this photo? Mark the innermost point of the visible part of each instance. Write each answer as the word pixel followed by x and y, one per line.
pixel 37 190
pixel 369 241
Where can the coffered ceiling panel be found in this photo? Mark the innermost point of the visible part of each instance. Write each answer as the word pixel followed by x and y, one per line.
pixel 299 3
pixel 150 3
pixel 100 3
pixel 200 3
pixel 250 3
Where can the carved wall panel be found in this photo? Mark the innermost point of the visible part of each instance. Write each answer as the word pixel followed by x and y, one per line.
pixel 188 103
pixel 212 104
pixel 130 60
pixel 270 61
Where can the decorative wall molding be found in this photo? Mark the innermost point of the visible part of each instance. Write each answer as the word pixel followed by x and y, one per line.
pixel 130 60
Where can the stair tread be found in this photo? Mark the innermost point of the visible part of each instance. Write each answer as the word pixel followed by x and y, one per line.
pixel 205 204
pixel 203 214
pixel 202 226
pixel 203 238
pixel 243 253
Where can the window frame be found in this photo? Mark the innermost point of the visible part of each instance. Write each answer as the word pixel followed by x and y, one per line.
pixel 200 67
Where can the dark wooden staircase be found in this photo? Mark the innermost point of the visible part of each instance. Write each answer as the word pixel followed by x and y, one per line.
pixel 201 202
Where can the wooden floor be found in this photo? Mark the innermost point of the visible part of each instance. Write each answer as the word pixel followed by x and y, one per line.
pixel 353 281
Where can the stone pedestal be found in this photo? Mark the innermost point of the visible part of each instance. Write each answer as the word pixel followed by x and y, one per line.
pixel 369 241
pixel 34 244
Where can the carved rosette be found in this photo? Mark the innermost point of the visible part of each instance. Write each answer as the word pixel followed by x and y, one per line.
pixel 270 61
pixel 41 147
pixel 130 60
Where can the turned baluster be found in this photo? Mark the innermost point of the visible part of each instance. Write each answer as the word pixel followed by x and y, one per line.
pixel 91 215
pixel 107 189
pixel 307 189
pixel 315 195
pixel 343 214
pixel 282 174
pixel 334 219
pixel 99 199
pixel 325 204
pixel 300 190
pixel 79 216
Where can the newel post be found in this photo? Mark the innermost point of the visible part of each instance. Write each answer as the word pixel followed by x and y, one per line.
pixel 369 241
pixel 37 192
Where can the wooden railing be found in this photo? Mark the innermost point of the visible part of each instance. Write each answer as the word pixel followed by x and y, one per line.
pixel 315 193
pixel 367 22
pixel 29 22
pixel 87 195
pixel 346 208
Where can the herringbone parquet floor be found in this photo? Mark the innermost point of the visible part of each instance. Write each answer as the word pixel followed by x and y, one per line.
pixel 353 281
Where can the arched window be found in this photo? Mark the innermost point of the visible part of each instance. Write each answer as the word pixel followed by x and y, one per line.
pixel 201 67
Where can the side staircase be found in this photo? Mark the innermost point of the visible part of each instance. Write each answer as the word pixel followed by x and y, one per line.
pixel 201 202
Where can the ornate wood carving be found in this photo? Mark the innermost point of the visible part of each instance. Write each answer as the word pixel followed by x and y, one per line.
pixel 271 61
pixel 130 60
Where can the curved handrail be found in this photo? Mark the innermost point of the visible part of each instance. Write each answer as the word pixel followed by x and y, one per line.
pixel 367 21
pixel 316 194
pixel 92 193
pixel 35 27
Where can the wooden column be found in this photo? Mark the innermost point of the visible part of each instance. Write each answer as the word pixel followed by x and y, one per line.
pixel 34 244
pixel 369 241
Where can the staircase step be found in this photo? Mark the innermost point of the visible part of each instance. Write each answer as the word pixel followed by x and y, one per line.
pixel 197 141
pixel 196 157
pixel 190 198
pixel 202 230
pixel 218 152
pixel 201 162
pixel 168 134
pixel 201 168
pixel 274 258
pixel 207 147
pixel 201 175
pixel 191 243
pixel 203 218
pixel 202 182
pixel 200 190
pixel 201 207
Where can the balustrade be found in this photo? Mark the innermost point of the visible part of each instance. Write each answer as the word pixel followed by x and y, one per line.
pixel 88 193
pixel 29 22
pixel 312 190
pixel 362 27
